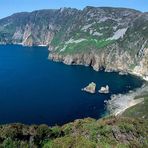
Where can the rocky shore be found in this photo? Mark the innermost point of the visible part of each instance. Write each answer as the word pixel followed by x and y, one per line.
pixel 115 39
pixel 119 103
pixel 97 62
pixel 82 37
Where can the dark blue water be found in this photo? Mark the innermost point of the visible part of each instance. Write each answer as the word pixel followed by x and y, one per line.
pixel 35 90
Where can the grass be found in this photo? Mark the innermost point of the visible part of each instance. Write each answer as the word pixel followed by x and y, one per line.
pixel 84 46
pixel 107 132
pixel 139 110
pixel 57 39
pixel 71 141
pixel 90 133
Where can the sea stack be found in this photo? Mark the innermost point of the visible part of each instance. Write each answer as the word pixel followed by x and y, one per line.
pixel 91 88
pixel 104 90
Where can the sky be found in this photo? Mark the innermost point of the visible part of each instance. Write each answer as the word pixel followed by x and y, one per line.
pixel 8 7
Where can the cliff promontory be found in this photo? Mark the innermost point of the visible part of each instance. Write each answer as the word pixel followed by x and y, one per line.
pixel 115 39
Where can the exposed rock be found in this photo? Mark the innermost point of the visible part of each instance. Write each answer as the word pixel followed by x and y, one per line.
pixel 104 90
pixel 91 88
pixel 118 34
pixel 123 73
pixel 115 39
pixel 119 103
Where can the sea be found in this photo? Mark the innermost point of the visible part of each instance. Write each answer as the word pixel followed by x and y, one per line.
pixel 36 90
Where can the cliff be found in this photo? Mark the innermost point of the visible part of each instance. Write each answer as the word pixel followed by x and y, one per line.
pixel 111 38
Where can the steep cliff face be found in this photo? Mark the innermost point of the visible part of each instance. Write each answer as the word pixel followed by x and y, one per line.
pixel 112 38
pixel 35 28
pixel 115 39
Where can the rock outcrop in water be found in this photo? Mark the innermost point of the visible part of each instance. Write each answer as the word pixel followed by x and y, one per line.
pixel 115 39
pixel 91 88
pixel 104 90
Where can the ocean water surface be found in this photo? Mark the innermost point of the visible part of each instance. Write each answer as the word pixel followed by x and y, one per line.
pixel 35 90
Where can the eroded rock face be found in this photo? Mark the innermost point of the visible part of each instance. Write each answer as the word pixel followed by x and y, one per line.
pixel 115 39
pixel 35 28
pixel 91 88
pixel 142 67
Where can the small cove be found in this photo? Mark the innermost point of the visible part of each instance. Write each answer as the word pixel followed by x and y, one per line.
pixel 35 90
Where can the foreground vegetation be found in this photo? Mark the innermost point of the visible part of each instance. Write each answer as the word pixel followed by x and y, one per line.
pixel 87 133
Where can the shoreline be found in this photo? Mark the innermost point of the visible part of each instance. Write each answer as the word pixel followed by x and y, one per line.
pixel 121 102
pixel 120 108
pixel 21 44
pixel 131 103
pixel 139 75
pixel 61 59
pixel 145 78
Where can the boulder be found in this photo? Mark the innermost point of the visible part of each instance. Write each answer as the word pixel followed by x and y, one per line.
pixel 91 88
pixel 104 90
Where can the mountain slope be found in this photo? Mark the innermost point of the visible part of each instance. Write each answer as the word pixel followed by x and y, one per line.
pixel 111 38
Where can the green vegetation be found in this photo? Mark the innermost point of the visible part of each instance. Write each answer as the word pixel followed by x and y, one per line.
pixel 139 110
pixel 84 46
pixel 107 132
pixel 57 39
pixel 132 66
